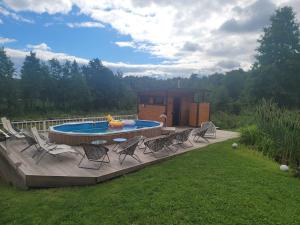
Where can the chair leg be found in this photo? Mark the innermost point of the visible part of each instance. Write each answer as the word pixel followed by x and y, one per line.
pixel 189 146
pixel 24 149
pixel 81 161
pixel 135 156
pixel 206 139
pixel 40 158
pixel 115 148
pixel 145 151
pixel 123 159
pixel 36 152
pixel 107 158
pixel 170 149
pixel 91 168
pixel 141 143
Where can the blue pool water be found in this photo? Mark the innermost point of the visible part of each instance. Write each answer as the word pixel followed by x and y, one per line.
pixel 101 127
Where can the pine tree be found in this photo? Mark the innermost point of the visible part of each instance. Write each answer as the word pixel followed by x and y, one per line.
pixel 280 40
pixel 276 73
pixel 7 90
pixel 31 81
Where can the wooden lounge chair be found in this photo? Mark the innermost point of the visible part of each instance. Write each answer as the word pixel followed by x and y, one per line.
pixel 200 133
pixel 211 129
pixel 30 141
pixel 182 137
pixel 8 127
pixel 48 148
pixel 129 150
pixel 94 153
pixel 4 137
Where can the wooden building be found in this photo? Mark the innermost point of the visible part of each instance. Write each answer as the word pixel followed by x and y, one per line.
pixel 183 107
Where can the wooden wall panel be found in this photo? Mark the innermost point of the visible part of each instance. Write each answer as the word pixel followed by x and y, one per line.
pixel 184 112
pixel 193 114
pixel 151 112
pixel 203 112
pixel 170 111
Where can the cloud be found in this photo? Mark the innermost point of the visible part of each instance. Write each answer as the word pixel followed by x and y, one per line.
pixel 14 16
pixel 85 24
pixel 229 64
pixel 188 35
pixel 1 21
pixel 125 44
pixel 191 47
pixel 38 6
pixel 251 18
pixel 41 47
pixel 44 52
pixel 6 40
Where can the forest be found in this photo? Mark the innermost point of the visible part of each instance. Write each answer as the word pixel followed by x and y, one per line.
pixel 54 87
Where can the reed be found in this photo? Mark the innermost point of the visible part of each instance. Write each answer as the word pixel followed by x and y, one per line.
pixel 276 133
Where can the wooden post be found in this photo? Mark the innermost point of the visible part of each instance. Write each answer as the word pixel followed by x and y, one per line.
pixel 44 126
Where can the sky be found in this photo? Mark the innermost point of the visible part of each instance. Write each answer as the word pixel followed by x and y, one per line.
pixel 159 38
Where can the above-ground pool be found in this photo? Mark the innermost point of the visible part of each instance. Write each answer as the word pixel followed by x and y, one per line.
pixel 84 132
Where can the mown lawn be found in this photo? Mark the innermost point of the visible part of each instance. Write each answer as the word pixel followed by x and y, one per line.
pixel 216 185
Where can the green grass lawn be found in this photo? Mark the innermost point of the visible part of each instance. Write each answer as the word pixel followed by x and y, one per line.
pixel 216 185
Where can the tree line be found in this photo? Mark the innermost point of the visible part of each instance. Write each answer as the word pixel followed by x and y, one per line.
pixel 52 86
pixel 67 87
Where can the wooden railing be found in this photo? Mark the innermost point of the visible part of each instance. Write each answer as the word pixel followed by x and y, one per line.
pixel 43 125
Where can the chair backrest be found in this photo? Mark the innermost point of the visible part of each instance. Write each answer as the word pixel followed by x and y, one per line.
pixel 130 149
pixel 210 125
pixel 37 137
pixel 4 123
pixel 183 135
pixel 131 141
pixel 29 139
pixel 205 125
pixel 94 152
pixel 201 132
pixel 156 144
pixel 2 137
pixel 5 134
pixel 211 128
pixel 9 127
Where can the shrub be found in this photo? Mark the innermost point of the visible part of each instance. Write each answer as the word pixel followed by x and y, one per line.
pixel 250 135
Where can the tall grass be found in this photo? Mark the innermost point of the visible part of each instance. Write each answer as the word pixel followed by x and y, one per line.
pixel 226 120
pixel 276 133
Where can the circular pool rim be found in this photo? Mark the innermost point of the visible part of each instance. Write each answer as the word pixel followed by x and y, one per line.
pixel 101 134
pixel 75 138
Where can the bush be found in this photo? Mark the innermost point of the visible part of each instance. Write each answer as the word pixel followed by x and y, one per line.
pixel 250 135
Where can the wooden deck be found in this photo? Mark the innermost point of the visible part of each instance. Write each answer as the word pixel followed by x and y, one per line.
pixel 21 170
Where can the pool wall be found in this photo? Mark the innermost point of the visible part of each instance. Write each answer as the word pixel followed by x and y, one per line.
pixel 78 138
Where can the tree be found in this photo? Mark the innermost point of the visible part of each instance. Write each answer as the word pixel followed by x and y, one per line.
pixel 31 81
pixel 78 94
pixel 7 91
pixel 277 68
pixel 280 40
